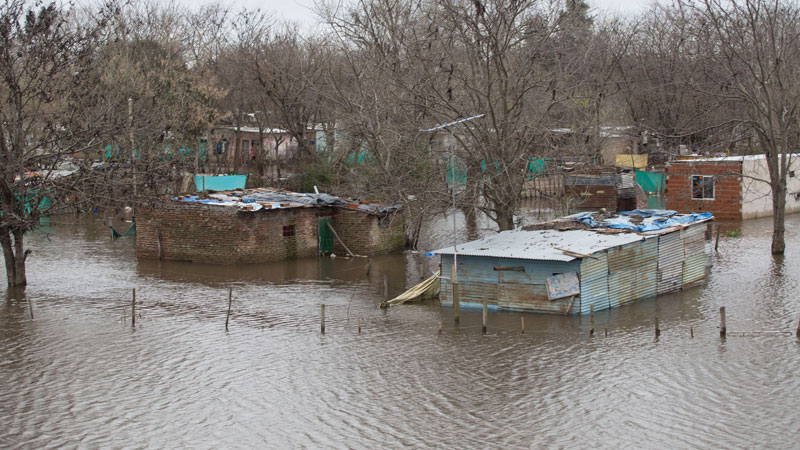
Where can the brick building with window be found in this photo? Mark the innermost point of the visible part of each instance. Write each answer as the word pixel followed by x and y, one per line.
pixel 731 188
pixel 261 225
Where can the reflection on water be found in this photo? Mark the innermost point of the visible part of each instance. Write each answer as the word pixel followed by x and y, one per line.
pixel 80 375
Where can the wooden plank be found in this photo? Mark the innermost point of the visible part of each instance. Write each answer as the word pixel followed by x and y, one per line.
pixel 571 299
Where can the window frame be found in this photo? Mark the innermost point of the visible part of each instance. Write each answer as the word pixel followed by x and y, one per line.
pixel 703 186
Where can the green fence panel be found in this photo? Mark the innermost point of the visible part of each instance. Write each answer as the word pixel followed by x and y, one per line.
pixel 651 182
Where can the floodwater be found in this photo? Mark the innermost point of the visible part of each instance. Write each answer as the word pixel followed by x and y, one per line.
pixel 79 375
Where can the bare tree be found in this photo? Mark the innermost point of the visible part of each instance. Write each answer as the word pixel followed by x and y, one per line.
pixel 750 51
pixel 45 75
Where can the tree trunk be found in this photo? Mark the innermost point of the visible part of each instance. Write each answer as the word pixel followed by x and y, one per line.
pixel 14 255
pixel 778 219
pixel 505 220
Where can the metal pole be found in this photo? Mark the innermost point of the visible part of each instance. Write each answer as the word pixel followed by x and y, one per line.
pixel 453 181
pixel 453 277
pixel 133 157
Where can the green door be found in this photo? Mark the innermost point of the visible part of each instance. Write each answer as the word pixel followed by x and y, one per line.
pixel 325 236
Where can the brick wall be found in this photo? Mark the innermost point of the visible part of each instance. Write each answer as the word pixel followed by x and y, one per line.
pixel 366 234
pixel 727 202
pixel 224 235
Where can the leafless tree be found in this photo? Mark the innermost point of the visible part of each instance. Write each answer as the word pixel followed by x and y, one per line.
pixel 46 65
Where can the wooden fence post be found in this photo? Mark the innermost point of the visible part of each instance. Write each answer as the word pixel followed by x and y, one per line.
pixel 133 309
pixel 485 309
pixel 230 301
pixel 658 330
pixel 723 330
pixel 796 332
pixel 322 319
pixel 591 319
pixel 522 324
pixel 456 304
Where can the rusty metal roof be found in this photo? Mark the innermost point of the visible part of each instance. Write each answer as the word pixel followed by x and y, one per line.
pixel 545 245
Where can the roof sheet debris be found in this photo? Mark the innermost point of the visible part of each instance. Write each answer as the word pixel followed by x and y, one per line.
pixel 252 200
pixel 648 219
pixel 567 238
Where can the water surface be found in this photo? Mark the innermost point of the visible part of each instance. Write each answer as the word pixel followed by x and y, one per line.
pixel 78 374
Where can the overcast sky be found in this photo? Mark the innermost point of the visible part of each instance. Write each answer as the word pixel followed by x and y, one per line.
pixel 301 10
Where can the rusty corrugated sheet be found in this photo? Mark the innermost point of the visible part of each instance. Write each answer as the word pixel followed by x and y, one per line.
pixel 622 273
pixel 594 283
pixel 646 265
pixel 620 287
pixel 623 257
pixel 694 265
pixel 670 262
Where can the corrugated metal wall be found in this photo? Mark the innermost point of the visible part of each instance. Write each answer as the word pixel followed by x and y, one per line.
pixel 646 269
pixel 622 273
pixel 694 266
pixel 594 283
pixel 670 262
pixel 509 289
pixel 612 278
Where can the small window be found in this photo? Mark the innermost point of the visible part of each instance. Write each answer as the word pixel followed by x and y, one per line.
pixel 288 230
pixel 702 187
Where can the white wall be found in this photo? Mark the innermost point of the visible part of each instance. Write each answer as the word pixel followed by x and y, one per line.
pixel 756 192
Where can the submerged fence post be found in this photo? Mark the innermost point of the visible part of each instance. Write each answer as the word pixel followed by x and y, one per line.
pixel 385 287
pixel 796 332
pixel 30 307
pixel 359 325
pixel 691 331
pixel 723 330
pixel 440 326
pixel 322 319
pixel 658 330
pixel 485 309
pixel 456 304
pixel 230 301
pixel 591 319
pixel 133 309
pixel 522 324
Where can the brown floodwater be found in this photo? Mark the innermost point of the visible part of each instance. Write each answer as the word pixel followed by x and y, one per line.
pixel 78 374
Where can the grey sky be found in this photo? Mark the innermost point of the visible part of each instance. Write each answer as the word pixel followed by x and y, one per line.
pixel 301 10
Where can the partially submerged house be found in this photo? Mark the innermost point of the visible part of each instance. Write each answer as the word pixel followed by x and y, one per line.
pixel 731 188
pixel 259 225
pixel 570 264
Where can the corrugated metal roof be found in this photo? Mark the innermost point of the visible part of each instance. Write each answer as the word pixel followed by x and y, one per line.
pixel 544 245
pixel 251 200
pixel 727 158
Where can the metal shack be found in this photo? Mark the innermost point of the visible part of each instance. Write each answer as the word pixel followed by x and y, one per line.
pixel 577 262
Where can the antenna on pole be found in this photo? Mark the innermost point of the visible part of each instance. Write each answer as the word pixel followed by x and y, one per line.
pixel 453 178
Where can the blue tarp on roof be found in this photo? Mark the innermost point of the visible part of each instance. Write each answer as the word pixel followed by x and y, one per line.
pixel 653 219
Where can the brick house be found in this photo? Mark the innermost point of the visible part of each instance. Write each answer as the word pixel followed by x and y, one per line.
pixel 731 188
pixel 221 230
